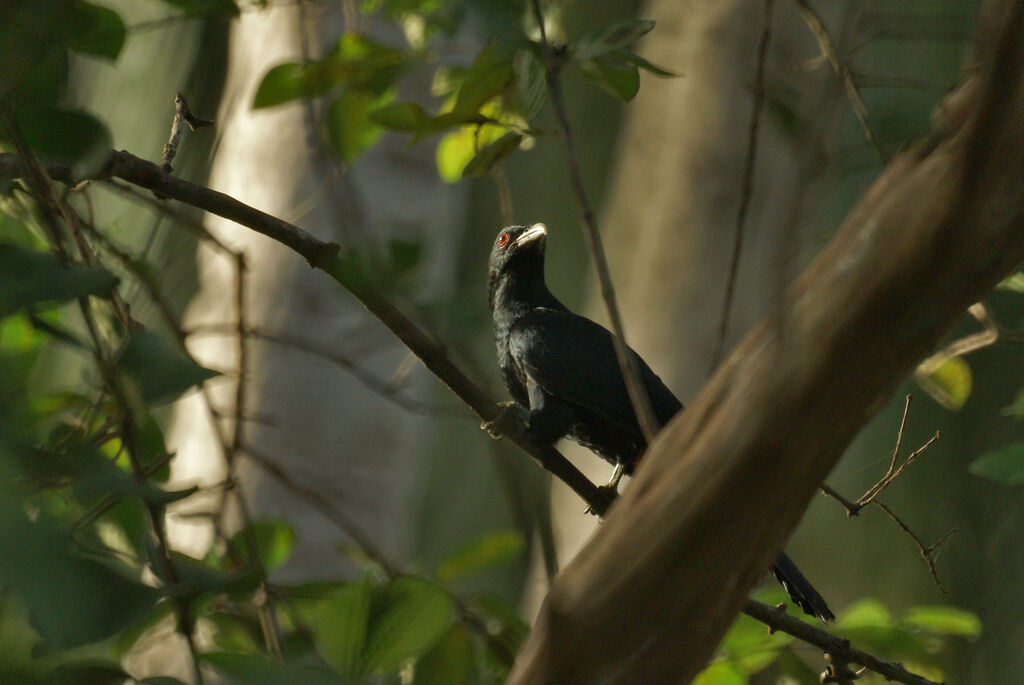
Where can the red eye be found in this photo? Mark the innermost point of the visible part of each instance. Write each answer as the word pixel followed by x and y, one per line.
pixel 502 239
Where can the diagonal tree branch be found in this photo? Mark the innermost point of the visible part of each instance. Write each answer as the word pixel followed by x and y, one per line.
pixel 324 256
pixel 650 596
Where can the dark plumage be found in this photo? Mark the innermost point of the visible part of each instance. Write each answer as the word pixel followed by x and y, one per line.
pixel 562 369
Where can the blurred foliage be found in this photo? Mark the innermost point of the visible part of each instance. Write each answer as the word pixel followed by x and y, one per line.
pixel 86 571
pixel 486 109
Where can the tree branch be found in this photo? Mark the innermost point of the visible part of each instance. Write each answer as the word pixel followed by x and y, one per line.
pixel 324 256
pixel 650 596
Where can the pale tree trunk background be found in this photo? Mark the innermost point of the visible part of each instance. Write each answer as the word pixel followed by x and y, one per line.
pixel 670 212
pixel 326 429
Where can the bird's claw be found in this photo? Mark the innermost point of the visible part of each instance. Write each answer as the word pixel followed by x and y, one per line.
pixel 518 412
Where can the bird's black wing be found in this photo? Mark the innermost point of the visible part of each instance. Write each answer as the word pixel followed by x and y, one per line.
pixel 572 358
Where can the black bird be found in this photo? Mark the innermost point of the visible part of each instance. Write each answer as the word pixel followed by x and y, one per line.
pixel 561 370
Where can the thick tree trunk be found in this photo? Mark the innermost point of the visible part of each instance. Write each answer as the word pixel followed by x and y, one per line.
pixel 652 593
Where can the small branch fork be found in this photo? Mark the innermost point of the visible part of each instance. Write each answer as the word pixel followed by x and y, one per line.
pixel 870 496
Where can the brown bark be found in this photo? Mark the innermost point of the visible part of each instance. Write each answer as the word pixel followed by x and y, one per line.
pixel 648 599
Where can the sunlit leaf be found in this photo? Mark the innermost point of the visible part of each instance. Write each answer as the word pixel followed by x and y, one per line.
pixel 1013 282
pixel 721 673
pixel 1004 465
pixel 491 154
pixel 162 372
pixel 945 620
pixel 409 616
pixel 867 613
pixel 30 277
pixel 453 153
pixel 947 381
pixel 492 549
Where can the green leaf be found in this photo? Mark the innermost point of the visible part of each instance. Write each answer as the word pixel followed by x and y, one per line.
pixel 638 61
pixel 400 116
pixel 255 669
pixel 404 255
pixel 614 74
pixel 350 129
pixel 491 154
pixel 488 76
pixel 339 625
pixel 867 613
pixel 409 616
pixel 71 601
pixel 161 680
pixel 453 153
pixel 1014 282
pixel 67 134
pixel 29 277
pixel 611 38
pixel 721 673
pixel 449 662
pixel 449 120
pixel 945 620
pixel 274 542
pixel 530 82
pixel 492 549
pixel 355 62
pixel 290 81
pixel 94 30
pixel 1004 465
pixel 89 673
pixel 162 372
pixel 948 381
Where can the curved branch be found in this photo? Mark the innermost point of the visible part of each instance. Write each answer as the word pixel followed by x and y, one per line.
pixel 650 596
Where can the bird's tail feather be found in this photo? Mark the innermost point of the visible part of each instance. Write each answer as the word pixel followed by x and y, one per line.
pixel 800 589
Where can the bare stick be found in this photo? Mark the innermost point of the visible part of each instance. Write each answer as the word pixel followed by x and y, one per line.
pixel 182 115
pixel 748 182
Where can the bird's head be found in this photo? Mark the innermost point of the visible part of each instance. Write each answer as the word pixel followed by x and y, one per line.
pixel 518 252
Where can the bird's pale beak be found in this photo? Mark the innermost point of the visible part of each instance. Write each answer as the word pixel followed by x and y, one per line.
pixel 534 232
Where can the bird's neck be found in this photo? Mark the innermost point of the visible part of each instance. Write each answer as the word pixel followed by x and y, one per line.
pixel 517 296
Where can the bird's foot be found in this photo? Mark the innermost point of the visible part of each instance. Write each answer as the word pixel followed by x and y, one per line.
pixel 609 491
pixel 518 413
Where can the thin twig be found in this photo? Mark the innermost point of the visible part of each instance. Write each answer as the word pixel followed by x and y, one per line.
pixel 748 182
pixel 553 62
pixel 383 388
pixel 838 647
pixel 828 51
pixel 870 496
